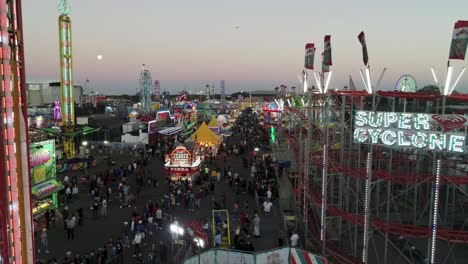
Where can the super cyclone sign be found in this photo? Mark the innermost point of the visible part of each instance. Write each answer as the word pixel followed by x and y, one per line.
pixel 413 130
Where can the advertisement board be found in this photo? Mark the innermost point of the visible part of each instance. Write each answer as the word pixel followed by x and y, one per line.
pixel 278 256
pixel 42 161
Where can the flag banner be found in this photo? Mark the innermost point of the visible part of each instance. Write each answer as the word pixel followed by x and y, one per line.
pixel 459 41
pixel 309 56
pixel 327 57
pixel 325 67
pixel 362 39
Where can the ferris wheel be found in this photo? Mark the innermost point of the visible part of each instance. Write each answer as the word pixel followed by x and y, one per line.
pixel 406 83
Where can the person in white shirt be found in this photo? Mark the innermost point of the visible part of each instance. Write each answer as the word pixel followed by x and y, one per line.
pixel 104 208
pixel 269 194
pixel 294 239
pixel 137 243
pixel 267 206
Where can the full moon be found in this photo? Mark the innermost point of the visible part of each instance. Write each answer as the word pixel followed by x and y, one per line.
pixel 99 57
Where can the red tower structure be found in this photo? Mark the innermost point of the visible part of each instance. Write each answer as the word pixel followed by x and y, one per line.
pixel 16 230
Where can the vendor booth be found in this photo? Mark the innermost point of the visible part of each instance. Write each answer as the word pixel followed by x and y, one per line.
pixel 205 137
pixel 43 178
pixel 207 142
pixel 182 165
pixel 214 126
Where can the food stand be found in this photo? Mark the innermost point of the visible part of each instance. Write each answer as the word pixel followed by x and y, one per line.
pixel 182 165
pixel 44 183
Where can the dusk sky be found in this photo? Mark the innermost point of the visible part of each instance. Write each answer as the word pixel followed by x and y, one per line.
pixel 186 44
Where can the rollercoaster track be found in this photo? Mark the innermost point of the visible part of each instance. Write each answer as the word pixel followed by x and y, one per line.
pixel 410 231
pixel 396 177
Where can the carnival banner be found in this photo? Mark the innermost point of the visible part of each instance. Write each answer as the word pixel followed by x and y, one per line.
pixel 309 56
pixel 362 39
pixel 459 41
pixel 325 67
pixel 327 53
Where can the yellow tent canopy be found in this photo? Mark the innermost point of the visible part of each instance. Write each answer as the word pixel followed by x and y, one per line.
pixel 204 135
pixel 213 122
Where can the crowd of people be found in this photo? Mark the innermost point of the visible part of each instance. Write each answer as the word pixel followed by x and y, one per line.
pixel 122 184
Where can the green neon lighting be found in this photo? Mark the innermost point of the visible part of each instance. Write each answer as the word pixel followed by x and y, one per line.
pixel 272 134
pixel 55 200
pixel 64 7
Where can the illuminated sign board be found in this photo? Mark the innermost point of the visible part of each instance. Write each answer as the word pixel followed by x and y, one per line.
pixel 412 130
pixel 181 156
pixel 42 161
pixel 152 127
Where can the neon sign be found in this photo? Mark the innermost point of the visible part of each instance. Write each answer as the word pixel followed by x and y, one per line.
pixel 413 130
pixel 181 156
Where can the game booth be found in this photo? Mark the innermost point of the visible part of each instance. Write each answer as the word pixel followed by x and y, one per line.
pixel 207 142
pixel 43 178
pixel 181 164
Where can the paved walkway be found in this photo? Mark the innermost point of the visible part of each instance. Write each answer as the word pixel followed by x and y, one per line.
pixel 96 231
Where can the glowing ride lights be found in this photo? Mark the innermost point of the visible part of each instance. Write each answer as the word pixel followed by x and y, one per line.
pixel 366 208
pixel 436 210
pixel 324 192
pixel 410 130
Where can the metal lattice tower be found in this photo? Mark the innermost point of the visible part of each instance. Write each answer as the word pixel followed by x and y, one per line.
pixel 145 90
pixel 223 94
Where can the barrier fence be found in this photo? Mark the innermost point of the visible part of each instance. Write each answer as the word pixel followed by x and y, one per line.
pixel 279 255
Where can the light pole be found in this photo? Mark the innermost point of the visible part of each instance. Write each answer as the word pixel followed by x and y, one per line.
pixel 200 244
pixel 176 230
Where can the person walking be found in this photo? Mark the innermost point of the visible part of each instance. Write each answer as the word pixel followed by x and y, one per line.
pixel 125 232
pixel 256 226
pixel 44 242
pixel 162 252
pixel 294 238
pixel 70 223
pixel 104 208
pixel 137 244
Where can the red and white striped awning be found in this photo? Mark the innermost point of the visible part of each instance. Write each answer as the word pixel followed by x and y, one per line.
pixel 170 131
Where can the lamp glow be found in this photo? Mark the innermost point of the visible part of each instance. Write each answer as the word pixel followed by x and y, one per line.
pixel 317 80
pixel 363 80
pixel 456 82
pixel 328 81
pixel 369 85
pixel 434 75
pixel 447 81
pixel 85 143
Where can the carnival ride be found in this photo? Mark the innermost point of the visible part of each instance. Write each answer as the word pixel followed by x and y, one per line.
pixel 145 91
pixel 406 83
pixel 16 228
pixel 404 179
pixel 66 80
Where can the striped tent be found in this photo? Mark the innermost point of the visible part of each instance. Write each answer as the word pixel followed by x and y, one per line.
pixel 303 257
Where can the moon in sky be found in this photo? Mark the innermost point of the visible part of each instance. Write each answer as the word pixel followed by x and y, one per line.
pixel 99 57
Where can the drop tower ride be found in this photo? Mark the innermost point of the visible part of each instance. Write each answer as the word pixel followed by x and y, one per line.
pixel 66 79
